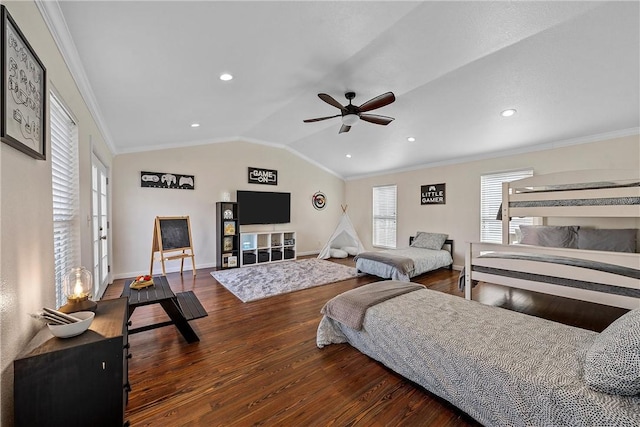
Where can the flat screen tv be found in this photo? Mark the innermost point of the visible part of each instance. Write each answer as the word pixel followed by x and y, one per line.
pixel 263 207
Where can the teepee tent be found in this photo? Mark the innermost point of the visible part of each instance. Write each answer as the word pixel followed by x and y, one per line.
pixel 344 238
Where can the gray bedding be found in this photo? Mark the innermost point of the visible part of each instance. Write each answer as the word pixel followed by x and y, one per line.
pixel 350 307
pixel 612 201
pixel 503 368
pixel 399 262
pixel 424 260
pixel 564 281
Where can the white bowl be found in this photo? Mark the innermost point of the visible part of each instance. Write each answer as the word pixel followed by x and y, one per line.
pixel 73 329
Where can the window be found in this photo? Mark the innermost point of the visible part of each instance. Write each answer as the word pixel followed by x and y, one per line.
pixel 64 169
pixel 490 201
pixel 384 216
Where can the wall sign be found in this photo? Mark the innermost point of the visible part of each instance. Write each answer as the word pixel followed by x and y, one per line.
pixel 263 176
pixel 433 194
pixel 167 180
pixel 319 200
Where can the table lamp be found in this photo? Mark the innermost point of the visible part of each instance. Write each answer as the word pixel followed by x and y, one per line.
pixel 77 286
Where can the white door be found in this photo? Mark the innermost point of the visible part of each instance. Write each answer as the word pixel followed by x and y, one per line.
pixel 100 226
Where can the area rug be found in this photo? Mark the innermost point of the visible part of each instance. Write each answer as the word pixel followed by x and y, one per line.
pixel 261 281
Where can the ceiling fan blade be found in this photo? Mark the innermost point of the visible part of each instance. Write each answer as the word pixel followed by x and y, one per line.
pixel 321 118
pixel 374 118
pixel 329 100
pixel 377 102
pixel 344 128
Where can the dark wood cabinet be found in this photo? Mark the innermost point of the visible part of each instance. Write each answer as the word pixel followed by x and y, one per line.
pixel 78 381
pixel 227 235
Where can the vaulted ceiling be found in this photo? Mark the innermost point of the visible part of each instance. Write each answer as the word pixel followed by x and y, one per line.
pixel 150 69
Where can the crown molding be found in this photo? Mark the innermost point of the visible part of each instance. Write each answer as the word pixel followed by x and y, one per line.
pixel 54 19
pixel 495 154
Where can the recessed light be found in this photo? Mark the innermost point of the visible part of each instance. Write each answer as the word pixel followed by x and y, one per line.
pixel 508 113
pixel 411 139
pixel 348 156
pixel 195 125
pixel 226 77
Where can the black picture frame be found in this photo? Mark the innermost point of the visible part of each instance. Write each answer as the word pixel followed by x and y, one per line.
pixel 433 194
pixel 23 92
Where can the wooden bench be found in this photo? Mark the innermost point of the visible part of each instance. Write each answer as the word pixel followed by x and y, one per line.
pixel 190 305
pixel 181 307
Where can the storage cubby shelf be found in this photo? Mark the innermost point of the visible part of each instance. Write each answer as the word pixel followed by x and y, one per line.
pixel 262 247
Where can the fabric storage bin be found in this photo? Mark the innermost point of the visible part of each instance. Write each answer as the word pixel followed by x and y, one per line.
pixel 263 256
pixel 289 253
pixel 276 255
pixel 248 258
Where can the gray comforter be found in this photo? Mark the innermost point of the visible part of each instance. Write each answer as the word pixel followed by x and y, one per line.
pixel 401 263
pixel 503 368
pixel 350 307
pixel 423 260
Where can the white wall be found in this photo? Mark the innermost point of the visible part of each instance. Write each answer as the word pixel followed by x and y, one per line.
pixel 460 216
pixel 26 229
pixel 217 168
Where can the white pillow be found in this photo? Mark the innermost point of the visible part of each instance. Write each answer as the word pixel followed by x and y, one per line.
pixel 351 250
pixel 337 253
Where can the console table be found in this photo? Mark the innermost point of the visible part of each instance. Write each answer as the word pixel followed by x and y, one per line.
pixel 79 381
pixel 181 307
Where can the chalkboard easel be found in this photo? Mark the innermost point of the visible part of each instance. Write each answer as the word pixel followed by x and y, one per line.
pixel 172 234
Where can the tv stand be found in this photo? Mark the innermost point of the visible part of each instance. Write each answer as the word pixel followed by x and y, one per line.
pixel 262 247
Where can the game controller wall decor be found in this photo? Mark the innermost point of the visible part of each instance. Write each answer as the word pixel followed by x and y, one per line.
pixel 167 180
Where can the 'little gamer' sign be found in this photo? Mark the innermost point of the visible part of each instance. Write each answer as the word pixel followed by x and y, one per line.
pixel 433 194
pixel 263 176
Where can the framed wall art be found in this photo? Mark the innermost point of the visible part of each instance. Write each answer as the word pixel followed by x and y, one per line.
pixel 23 91
pixel 433 194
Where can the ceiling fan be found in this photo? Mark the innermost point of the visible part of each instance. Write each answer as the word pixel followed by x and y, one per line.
pixel 352 114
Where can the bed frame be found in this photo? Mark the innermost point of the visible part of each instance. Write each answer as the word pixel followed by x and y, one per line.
pixel 601 193
pixel 595 193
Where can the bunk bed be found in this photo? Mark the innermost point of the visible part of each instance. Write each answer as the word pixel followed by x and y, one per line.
pixel 588 265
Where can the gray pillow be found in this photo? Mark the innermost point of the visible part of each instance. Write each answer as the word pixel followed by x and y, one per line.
pixel 612 364
pixel 429 240
pixel 552 236
pixel 618 240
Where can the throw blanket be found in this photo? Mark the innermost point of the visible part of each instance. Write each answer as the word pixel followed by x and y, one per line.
pixel 403 264
pixel 349 307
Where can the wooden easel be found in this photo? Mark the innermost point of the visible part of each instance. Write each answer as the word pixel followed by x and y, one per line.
pixel 172 234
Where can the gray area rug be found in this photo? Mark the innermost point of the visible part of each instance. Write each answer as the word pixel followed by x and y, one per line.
pixel 262 281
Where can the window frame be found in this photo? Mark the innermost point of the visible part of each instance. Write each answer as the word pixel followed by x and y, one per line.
pixel 65 191
pixel 491 200
pixel 384 236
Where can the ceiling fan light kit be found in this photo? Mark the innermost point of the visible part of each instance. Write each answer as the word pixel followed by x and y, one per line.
pixel 350 119
pixel 352 114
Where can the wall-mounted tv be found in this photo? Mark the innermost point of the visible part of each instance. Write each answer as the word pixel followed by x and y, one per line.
pixel 263 207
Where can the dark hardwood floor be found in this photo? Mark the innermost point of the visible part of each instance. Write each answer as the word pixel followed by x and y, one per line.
pixel 257 363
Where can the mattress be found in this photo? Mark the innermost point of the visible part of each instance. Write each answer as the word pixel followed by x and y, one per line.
pixel 503 368
pixel 424 260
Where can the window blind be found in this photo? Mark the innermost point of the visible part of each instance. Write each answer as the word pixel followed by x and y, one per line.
pixel 64 170
pixel 490 200
pixel 384 216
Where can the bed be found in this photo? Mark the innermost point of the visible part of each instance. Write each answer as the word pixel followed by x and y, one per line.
pixel 501 367
pixel 596 265
pixel 426 252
